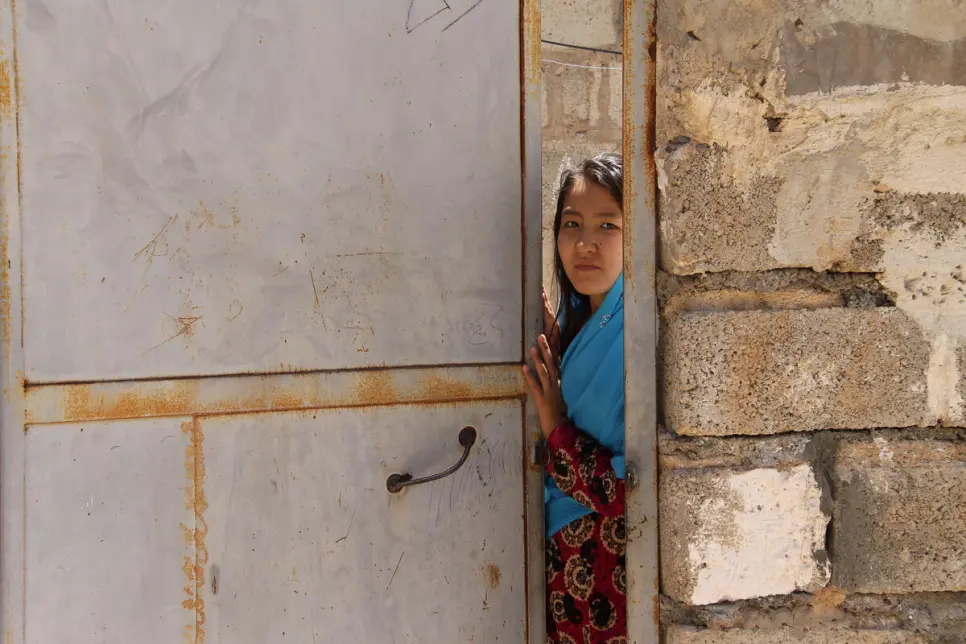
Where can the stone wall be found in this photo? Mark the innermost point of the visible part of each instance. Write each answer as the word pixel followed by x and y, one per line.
pixel 812 176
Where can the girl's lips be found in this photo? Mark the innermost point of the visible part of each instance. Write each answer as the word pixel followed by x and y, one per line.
pixel 586 267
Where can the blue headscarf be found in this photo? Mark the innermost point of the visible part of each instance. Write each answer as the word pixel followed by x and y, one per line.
pixel 592 383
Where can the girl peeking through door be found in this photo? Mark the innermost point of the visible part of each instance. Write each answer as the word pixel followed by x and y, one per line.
pixel 576 380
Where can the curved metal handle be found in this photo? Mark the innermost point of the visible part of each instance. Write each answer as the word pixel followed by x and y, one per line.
pixel 396 482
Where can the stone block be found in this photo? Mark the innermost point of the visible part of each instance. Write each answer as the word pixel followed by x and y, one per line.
pixel 828 137
pixel 767 372
pixel 728 535
pixel 581 95
pixel 685 635
pixel 899 518
pixel 590 23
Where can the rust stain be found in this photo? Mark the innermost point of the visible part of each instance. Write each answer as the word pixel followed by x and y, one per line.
pixel 6 319
pixel 284 400
pixel 195 570
pixel 531 41
pixel 436 387
pixel 374 388
pixel 643 132
pixel 492 575
pixel 187 533
pixel 189 397
pixel 81 403
pixel 6 88
pixel 187 323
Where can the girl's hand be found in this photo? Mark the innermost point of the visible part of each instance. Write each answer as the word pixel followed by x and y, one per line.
pixel 551 328
pixel 543 381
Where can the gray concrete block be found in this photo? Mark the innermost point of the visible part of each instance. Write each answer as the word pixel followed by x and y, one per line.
pixel 779 149
pixel 685 635
pixel 900 512
pixel 728 535
pixel 767 372
pixel 591 23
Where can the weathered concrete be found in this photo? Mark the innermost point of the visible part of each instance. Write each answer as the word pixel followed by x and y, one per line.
pixel 684 635
pixel 941 615
pixel 743 453
pixel 591 23
pixel 728 535
pixel 778 289
pixel 900 515
pixel 824 99
pixel 825 135
pixel 765 372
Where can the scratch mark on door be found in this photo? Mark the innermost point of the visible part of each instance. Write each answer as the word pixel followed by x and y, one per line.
pixel 396 570
pixel 410 27
pixel 186 323
pixel 350 530
pixel 235 309
pixel 318 304
pixel 464 14
pixel 150 249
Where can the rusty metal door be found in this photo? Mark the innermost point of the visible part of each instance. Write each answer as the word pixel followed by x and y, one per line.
pixel 258 257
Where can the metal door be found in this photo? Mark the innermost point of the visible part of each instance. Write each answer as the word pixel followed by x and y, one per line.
pixel 259 256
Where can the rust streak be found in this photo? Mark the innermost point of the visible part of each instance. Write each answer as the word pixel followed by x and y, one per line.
pixel 242 394
pixel 492 575
pixel 375 387
pixel 533 56
pixel 6 89
pixel 437 387
pixel 6 109
pixel 6 318
pixel 82 403
pixel 195 571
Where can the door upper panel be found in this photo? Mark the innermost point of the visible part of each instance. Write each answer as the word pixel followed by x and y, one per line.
pixel 269 185
pixel 303 539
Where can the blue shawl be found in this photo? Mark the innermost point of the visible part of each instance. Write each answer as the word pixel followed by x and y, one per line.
pixel 592 383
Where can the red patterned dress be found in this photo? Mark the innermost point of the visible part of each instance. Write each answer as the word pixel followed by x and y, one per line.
pixel 586 568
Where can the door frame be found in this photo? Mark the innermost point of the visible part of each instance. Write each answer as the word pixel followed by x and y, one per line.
pixel 12 426
pixel 23 403
pixel 531 77
pixel 640 319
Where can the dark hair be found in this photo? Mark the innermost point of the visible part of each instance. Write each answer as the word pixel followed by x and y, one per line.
pixel 607 171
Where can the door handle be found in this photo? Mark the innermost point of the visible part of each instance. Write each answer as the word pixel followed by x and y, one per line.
pixel 396 482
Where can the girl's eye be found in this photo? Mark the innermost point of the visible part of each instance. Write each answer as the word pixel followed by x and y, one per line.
pixel 609 226
pixel 570 224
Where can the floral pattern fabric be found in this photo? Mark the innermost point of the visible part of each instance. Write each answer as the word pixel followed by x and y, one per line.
pixel 586 566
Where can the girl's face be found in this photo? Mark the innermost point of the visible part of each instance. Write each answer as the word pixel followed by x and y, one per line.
pixel 590 240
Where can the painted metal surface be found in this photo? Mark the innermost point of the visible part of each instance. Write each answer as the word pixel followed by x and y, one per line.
pixel 531 71
pixel 181 171
pixel 310 547
pixel 640 319
pixel 264 186
pixel 152 398
pixel 109 528
pixel 12 445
